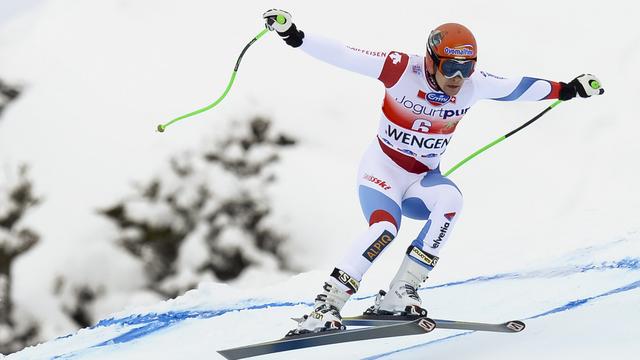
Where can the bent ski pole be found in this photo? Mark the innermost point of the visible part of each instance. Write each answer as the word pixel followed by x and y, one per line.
pixel 162 127
pixel 501 138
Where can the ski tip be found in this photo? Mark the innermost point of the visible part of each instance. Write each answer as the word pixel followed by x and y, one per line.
pixel 515 325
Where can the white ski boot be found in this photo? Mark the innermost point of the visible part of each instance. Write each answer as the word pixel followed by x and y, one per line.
pixel 326 314
pixel 402 297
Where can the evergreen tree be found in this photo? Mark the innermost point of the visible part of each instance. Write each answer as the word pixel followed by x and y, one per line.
pixel 8 93
pixel 15 200
pixel 207 215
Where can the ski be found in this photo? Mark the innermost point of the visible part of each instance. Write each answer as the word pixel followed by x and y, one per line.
pixel 414 326
pixel 512 326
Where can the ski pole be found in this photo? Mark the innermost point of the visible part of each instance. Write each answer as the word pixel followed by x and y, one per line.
pixel 280 19
pixel 501 138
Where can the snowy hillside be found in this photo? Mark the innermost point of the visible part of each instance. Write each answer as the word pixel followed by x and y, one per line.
pixel 578 306
pixel 98 76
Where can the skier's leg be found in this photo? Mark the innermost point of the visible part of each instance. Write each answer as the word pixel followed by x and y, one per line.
pixel 441 205
pixel 381 185
pixel 383 215
pixel 438 200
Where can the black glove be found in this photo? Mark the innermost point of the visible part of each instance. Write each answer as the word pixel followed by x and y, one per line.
pixel 585 85
pixel 280 21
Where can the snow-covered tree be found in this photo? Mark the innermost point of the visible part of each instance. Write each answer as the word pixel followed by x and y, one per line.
pixel 8 93
pixel 16 198
pixel 207 215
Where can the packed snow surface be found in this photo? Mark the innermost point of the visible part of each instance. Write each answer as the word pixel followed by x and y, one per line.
pixel 580 305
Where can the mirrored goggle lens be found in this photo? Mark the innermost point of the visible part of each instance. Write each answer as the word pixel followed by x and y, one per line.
pixel 451 68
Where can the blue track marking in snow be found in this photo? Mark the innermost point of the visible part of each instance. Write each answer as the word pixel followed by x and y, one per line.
pixel 567 307
pixel 146 324
pixel 154 322
pixel 150 323
pixel 624 264
pixel 575 303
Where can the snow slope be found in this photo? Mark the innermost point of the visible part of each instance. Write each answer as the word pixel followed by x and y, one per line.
pixel 580 305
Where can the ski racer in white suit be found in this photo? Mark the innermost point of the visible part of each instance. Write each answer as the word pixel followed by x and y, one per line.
pixel 425 98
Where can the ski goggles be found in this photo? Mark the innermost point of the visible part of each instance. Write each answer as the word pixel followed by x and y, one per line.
pixel 451 68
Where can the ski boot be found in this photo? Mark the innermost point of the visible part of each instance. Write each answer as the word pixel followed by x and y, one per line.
pixel 323 318
pixel 326 313
pixel 402 299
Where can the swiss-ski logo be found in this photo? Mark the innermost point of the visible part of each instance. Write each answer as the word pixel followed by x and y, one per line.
pixel 450 215
pixel 434 98
pixel 377 181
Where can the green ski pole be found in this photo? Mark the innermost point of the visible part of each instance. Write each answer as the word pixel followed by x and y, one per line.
pixel 593 84
pixel 501 138
pixel 280 19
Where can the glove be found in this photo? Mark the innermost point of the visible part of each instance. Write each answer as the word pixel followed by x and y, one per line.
pixel 585 85
pixel 285 28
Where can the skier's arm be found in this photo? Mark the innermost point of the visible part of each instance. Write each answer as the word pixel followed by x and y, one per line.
pixel 365 62
pixel 368 63
pixel 489 86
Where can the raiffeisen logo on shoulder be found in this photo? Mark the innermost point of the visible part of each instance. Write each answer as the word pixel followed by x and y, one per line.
pixel 462 50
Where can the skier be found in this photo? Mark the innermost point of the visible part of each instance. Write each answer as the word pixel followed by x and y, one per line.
pixel 425 98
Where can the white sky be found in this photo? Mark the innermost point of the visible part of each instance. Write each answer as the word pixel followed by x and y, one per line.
pixel 12 8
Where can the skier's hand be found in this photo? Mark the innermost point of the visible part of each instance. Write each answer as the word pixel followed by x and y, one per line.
pixel 280 21
pixel 585 85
